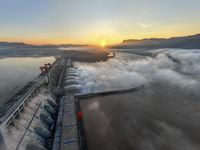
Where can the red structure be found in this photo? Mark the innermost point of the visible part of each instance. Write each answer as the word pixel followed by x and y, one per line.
pixel 41 69
pixel 49 65
pixel 45 68
pixel 80 115
pixel 45 65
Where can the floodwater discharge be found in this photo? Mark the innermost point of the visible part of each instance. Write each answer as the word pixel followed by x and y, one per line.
pixel 162 115
pixel 156 117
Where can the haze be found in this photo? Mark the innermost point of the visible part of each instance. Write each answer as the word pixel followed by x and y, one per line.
pixel 96 21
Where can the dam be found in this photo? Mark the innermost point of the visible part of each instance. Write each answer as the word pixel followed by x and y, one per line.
pixel 43 114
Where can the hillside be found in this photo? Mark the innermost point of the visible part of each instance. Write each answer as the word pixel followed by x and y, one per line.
pixel 187 42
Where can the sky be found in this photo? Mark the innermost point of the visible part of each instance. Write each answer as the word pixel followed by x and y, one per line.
pixel 96 21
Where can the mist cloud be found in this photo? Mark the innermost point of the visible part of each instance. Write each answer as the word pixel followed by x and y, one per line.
pixel 189 60
pixel 170 137
pixel 178 68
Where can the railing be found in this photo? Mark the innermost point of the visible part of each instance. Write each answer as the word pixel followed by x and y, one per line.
pixel 81 131
pixel 22 96
pixel 19 105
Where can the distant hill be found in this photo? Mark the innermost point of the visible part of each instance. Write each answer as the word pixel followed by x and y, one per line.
pixel 21 44
pixel 72 45
pixel 12 44
pixel 187 42
pixel 15 49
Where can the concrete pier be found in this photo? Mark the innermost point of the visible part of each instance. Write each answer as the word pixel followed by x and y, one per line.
pixel 30 121
pixel 26 120
pixel 69 138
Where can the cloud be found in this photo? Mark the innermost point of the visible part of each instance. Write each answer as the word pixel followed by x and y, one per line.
pixel 118 75
pixel 144 26
pixel 189 60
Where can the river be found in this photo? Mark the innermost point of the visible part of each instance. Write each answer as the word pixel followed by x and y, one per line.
pixel 17 72
pixel 162 115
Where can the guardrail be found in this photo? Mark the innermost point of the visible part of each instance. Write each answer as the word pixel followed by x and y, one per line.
pixel 13 106
pixel 14 111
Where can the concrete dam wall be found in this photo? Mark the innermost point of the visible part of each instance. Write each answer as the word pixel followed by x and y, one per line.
pixel 28 122
pixel 43 115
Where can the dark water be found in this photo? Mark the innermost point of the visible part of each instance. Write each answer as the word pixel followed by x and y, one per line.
pixel 156 117
pixel 17 72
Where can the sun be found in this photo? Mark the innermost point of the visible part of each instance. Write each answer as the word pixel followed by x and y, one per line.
pixel 103 44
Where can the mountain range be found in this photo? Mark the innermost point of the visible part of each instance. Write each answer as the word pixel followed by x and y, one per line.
pixel 186 42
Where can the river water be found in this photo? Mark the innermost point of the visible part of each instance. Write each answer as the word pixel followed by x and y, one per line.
pixel 156 117
pixel 162 115
pixel 17 72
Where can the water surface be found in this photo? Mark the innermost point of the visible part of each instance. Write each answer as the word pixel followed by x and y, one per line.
pixel 17 72
pixel 156 117
pixel 163 115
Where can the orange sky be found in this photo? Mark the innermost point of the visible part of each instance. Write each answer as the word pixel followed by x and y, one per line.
pixel 96 22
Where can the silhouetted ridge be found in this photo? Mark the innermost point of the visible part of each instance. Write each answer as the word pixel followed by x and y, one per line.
pixel 12 44
pixel 188 42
